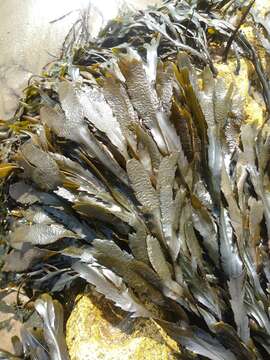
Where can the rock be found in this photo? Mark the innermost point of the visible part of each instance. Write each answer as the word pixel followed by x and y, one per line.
pixel 97 330
pixel 10 325
pixel 262 6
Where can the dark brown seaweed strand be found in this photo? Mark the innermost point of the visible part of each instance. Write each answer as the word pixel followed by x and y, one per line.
pixel 62 17
pixel 231 39
pixel 259 70
pixel 262 78
pixel 237 56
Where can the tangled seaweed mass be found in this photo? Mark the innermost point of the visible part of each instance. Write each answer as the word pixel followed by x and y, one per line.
pixel 129 167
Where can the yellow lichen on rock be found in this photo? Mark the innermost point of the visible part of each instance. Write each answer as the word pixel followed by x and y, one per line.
pixel 96 330
pixel 253 108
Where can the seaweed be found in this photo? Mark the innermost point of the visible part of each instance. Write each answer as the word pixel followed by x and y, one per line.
pixel 133 177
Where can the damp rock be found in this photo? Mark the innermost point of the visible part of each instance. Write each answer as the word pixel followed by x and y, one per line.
pixel 97 330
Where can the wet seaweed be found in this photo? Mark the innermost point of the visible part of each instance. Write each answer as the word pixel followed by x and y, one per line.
pixel 128 166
